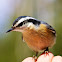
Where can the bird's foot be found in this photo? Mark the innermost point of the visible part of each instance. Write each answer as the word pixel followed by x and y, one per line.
pixel 35 57
pixel 46 52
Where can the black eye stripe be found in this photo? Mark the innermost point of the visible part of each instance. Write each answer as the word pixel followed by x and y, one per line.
pixel 20 24
pixel 30 20
pixel 34 21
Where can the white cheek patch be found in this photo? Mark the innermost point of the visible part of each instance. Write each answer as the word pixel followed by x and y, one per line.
pixel 32 26
pixel 23 19
pixel 29 24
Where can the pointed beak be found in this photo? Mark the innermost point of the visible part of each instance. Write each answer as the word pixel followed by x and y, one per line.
pixel 10 30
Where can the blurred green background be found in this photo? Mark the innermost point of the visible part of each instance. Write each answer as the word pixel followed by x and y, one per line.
pixel 12 48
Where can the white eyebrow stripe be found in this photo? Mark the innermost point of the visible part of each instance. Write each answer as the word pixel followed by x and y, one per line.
pixel 23 19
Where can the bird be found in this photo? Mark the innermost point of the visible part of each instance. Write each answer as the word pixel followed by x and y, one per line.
pixel 38 35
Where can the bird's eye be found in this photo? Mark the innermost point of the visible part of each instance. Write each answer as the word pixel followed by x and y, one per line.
pixel 24 22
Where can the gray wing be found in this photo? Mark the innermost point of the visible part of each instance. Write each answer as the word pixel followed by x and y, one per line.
pixel 49 27
pixel 52 29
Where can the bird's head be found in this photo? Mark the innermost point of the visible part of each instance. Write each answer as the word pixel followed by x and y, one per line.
pixel 23 22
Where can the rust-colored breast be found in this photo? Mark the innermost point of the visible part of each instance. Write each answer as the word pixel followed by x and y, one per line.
pixel 39 39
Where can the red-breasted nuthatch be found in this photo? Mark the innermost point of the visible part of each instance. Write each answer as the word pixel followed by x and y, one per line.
pixel 38 35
